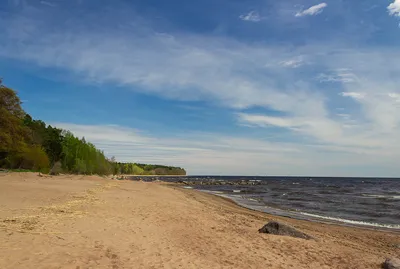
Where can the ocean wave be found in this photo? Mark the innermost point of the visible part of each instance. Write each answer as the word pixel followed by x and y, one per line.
pixel 302 215
pixel 369 207
pixel 354 222
pixel 212 192
pixel 379 196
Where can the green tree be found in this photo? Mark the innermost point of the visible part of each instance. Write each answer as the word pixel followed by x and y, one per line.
pixel 13 134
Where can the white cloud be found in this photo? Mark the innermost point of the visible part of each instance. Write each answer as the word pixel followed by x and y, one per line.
pixel 344 133
pixel 394 8
pixel 355 95
pixel 339 75
pixel 323 129
pixel 252 16
pixel 179 67
pixel 293 63
pixel 394 96
pixel 314 10
pixel 263 120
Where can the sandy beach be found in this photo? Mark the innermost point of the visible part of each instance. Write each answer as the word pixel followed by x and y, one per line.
pixel 92 222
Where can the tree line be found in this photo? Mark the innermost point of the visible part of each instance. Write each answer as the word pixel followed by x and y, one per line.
pixel 30 144
pixel 146 169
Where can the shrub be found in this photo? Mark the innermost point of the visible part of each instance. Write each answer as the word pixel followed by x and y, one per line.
pixel 34 158
pixel 56 169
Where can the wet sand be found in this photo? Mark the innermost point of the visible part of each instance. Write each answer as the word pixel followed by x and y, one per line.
pixel 92 222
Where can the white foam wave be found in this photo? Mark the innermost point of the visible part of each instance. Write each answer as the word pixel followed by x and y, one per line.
pixel 213 192
pixel 298 214
pixel 382 196
pixel 354 222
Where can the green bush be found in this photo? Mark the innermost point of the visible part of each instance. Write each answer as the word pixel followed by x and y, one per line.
pixel 36 159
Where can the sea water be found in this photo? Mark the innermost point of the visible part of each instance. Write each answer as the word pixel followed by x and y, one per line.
pixel 370 202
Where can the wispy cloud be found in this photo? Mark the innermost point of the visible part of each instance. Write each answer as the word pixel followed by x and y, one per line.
pixel 343 132
pixel 194 151
pixel 371 8
pixel 227 73
pixel 355 95
pixel 394 8
pixel 252 16
pixel 293 63
pixel 220 154
pixel 394 96
pixel 190 67
pixel 314 10
pixel 47 3
pixel 339 75
pixel 264 120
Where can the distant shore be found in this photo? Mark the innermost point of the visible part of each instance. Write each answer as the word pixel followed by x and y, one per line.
pixel 88 221
pixel 154 175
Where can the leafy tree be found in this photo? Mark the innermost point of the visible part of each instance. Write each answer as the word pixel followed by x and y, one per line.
pixel 83 158
pixel 10 101
pixel 53 144
pixel 47 136
pixel 13 134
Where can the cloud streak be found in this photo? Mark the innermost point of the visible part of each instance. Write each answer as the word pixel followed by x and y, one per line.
pixel 252 16
pixel 314 10
pixel 293 63
pixel 46 3
pixel 339 75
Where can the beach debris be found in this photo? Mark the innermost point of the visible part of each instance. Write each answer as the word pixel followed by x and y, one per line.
pixel 391 263
pixel 278 228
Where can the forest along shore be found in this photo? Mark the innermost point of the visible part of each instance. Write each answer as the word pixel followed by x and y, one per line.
pixel 74 221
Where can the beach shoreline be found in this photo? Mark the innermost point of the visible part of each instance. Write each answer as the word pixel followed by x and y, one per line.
pixel 289 215
pixel 92 222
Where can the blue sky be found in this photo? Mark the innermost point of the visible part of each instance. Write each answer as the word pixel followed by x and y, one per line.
pixel 215 86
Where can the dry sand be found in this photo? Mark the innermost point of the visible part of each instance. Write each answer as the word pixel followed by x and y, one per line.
pixel 91 222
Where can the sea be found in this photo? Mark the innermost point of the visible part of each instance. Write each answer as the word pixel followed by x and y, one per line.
pixel 368 202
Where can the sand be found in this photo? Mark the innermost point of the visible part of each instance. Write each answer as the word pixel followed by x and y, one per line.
pixel 92 222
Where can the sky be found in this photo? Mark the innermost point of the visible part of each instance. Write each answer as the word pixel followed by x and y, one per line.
pixel 238 87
